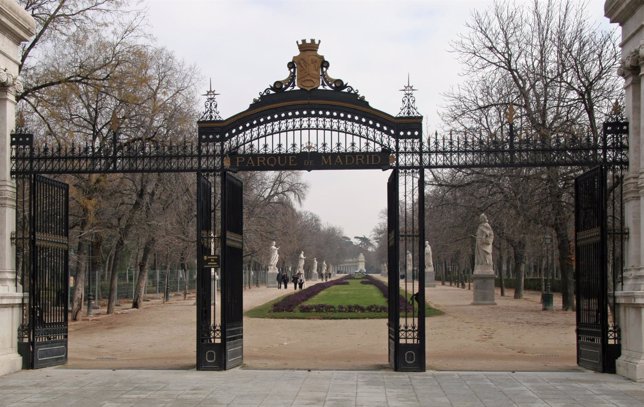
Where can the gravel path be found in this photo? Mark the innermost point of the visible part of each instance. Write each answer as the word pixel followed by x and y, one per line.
pixel 514 335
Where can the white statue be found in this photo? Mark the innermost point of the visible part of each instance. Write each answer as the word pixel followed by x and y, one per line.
pixel 428 256
pixel 361 263
pixel 275 256
pixel 484 239
pixel 323 267
pixel 300 263
pixel 315 265
pixel 410 262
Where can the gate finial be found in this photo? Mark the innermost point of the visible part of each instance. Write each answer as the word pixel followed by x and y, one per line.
pixel 210 112
pixel 408 108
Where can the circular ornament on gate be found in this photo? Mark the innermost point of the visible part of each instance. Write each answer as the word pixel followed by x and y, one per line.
pixel 211 356
pixel 410 357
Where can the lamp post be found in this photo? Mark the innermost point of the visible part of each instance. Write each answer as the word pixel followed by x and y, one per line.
pixel 546 296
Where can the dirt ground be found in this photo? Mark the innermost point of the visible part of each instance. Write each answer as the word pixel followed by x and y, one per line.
pixel 514 335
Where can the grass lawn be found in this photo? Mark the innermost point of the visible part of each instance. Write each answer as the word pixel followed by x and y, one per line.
pixel 354 293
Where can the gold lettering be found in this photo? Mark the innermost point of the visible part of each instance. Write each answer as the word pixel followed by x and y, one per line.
pixel 261 161
pixel 360 159
pixel 239 161
pixel 251 163
pixel 350 160
pixel 338 160
pixel 375 159
pixel 292 161
pixel 271 161
pixel 326 160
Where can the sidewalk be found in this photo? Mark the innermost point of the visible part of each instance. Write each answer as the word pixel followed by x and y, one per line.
pixel 56 387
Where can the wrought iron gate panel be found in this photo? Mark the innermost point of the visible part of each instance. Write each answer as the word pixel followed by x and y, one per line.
pixel 591 243
pixel 393 240
pixel 405 228
pixel 232 227
pixel 210 350
pixel 44 332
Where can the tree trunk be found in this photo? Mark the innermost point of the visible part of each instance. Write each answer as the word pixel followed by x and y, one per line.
pixel 79 284
pixel 500 267
pixel 563 242
pixel 519 266
pixel 184 270
pixel 124 233
pixel 139 293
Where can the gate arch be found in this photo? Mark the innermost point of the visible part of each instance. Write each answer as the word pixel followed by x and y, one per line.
pixel 325 124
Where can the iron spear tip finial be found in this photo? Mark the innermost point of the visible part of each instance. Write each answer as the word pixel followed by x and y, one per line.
pixel 210 92
pixel 408 108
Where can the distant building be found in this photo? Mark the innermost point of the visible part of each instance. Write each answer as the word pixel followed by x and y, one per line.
pixel 352 266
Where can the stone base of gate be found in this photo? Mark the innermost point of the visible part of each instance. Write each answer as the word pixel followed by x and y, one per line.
pixel 483 289
pixel 631 319
pixel 10 305
pixel 314 276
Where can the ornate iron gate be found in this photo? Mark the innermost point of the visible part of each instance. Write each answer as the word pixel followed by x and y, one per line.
pixel 209 346
pixel 232 226
pixel 406 279
pixel 597 340
pixel 43 334
pixel 393 251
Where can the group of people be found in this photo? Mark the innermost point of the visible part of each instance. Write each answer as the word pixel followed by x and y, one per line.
pixel 297 279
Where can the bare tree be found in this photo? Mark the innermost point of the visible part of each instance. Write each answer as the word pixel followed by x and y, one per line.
pixel 547 59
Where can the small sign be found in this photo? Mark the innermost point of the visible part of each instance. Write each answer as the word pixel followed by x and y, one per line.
pixel 211 261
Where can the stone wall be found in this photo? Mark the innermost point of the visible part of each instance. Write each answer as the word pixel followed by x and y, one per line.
pixel 629 14
pixel 16 26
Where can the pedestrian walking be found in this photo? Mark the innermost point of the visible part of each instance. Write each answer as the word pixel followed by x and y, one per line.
pixel 285 280
pixel 279 281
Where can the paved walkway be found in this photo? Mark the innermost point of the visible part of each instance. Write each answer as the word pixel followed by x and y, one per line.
pixel 55 387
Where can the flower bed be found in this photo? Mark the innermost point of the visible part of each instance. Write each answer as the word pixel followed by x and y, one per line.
pixel 341 308
pixel 289 303
pixel 384 289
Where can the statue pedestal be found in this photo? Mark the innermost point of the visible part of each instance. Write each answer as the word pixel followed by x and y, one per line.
pixel 483 279
pixel 314 276
pixel 430 277
pixel 271 276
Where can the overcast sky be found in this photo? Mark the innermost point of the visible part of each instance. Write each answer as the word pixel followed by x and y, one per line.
pixel 373 45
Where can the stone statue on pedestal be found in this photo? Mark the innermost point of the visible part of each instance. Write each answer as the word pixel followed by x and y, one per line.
pixel 430 274
pixel 484 239
pixel 410 263
pixel 361 264
pixel 300 263
pixel 274 256
pixel 314 270
pixel 271 276
pixel 483 276
pixel 428 256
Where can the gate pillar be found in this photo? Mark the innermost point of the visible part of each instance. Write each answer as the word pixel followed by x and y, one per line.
pixel 16 26
pixel 630 299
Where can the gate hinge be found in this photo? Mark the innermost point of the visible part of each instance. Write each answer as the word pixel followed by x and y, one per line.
pixel 13 238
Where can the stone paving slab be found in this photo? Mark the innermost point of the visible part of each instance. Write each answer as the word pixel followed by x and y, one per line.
pixel 280 388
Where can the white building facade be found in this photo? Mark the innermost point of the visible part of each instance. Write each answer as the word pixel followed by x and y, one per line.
pixel 16 26
pixel 629 14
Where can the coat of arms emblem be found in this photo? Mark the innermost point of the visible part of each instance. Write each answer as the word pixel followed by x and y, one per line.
pixel 309 64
